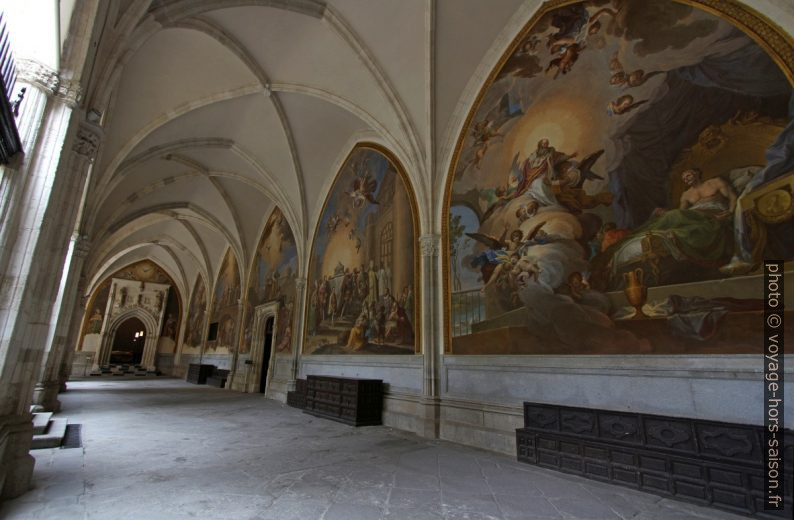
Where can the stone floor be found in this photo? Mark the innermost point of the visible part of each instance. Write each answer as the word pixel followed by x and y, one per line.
pixel 167 449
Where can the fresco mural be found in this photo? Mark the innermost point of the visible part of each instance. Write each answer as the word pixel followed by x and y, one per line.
pixel 196 318
pixel 225 308
pixel 273 278
pixel 362 275
pixel 622 153
pixel 143 271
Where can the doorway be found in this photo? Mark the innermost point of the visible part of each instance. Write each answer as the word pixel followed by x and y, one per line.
pixel 128 342
pixel 268 347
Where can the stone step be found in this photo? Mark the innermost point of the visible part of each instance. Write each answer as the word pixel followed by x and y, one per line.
pixel 54 436
pixel 40 422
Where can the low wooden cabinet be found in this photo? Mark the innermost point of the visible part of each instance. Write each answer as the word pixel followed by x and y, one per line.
pixel 297 398
pixel 358 402
pixel 198 374
pixel 706 462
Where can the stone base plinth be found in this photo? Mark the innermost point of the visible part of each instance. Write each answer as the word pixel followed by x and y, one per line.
pixel 46 395
pixel 16 464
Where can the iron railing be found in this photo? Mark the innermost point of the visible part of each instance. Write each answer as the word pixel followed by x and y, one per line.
pixel 468 308
pixel 10 143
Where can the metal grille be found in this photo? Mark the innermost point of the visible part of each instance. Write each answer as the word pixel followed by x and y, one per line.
pixel 468 308
pixel 73 437
pixel 10 143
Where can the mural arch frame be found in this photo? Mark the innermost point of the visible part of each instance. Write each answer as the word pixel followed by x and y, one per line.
pixel 776 43
pixel 251 304
pixel 415 227
pixel 213 307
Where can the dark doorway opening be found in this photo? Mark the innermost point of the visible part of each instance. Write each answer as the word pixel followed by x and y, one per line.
pixel 266 354
pixel 128 342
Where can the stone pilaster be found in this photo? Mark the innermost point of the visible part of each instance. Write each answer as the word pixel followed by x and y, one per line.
pixel 432 339
pixel 75 326
pixel 36 241
pixel 16 465
pixel 297 331
pixel 49 382
pixel 232 381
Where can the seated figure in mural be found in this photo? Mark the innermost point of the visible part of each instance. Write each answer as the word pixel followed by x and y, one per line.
pixel 699 231
pixel 532 178
pixel 357 339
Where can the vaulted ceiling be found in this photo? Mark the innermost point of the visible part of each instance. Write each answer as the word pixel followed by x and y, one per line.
pixel 216 111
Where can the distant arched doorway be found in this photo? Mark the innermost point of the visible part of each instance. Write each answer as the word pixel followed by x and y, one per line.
pixel 128 342
pixel 262 341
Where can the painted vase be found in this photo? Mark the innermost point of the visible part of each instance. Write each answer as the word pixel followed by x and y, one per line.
pixel 636 292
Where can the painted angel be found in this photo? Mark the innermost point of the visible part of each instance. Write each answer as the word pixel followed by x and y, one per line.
pixel 487 130
pixel 363 191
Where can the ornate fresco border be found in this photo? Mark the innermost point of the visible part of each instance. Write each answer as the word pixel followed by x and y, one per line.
pixel 773 39
pixel 95 293
pixel 414 216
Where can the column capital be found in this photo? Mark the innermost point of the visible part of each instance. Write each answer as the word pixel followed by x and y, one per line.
pixel 430 245
pixel 69 91
pixel 87 140
pixel 37 74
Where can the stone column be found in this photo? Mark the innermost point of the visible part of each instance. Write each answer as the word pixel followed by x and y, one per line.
pixel 75 327
pixel 149 358
pixel 17 183
pixel 297 331
pixel 49 383
pixel 46 195
pixel 432 337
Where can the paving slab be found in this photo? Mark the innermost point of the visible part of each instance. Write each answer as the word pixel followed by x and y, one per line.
pixel 163 448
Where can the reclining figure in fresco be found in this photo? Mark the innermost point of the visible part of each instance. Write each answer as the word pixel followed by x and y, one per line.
pixel 697 235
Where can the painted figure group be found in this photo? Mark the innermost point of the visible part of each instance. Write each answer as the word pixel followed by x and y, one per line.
pixel 363 296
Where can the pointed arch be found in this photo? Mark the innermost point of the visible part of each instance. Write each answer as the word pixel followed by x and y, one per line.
pixel 370 186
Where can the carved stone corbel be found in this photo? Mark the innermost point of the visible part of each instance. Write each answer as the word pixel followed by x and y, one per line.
pixel 87 140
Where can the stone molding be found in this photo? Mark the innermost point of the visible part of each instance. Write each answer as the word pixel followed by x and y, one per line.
pixel 46 78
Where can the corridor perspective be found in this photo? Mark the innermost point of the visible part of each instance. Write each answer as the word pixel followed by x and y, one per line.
pixel 165 449
pixel 353 259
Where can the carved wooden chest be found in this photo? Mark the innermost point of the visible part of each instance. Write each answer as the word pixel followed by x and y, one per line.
pixel 707 462
pixel 358 402
pixel 198 374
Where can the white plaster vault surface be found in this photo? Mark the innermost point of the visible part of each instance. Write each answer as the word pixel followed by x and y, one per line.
pixel 168 449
